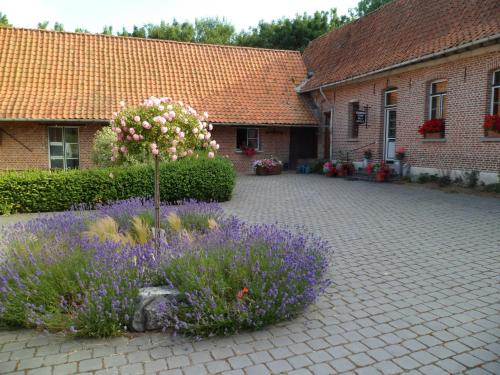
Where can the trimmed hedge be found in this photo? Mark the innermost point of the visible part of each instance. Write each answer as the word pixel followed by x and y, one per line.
pixel 36 191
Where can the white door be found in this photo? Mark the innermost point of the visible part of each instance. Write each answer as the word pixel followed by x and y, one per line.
pixel 390 134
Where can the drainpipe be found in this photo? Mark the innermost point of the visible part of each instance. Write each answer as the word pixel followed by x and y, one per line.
pixel 330 125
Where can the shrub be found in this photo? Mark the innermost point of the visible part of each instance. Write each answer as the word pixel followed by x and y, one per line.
pixel 471 179
pixel 81 272
pixel 191 178
pixel 426 177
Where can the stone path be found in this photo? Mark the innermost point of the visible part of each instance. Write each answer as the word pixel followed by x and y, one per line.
pixel 416 290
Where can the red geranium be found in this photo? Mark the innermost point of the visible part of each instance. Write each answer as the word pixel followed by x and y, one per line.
pixel 492 122
pixel 435 125
pixel 249 151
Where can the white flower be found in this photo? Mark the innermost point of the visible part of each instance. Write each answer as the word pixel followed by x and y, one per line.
pixel 201 137
pixel 122 103
pixel 211 155
pixel 164 129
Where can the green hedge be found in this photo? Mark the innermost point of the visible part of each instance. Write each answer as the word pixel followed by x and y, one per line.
pixel 36 191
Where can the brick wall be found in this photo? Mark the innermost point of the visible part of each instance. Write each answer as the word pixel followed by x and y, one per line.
pixel 13 156
pixel 464 146
pixel 273 142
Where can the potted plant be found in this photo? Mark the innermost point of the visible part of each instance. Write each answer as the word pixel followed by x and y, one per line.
pixel 492 126
pixel 400 155
pixel 348 168
pixel 329 169
pixel 367 156
pixel 433 128
pixel 382 173
pixel 266 167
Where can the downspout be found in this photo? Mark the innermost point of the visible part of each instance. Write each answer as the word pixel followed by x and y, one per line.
pixel 330 125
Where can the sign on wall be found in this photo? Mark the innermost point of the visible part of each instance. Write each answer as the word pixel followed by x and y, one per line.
pixel 360 117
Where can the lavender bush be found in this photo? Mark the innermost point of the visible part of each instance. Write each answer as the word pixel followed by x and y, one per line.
pixel 81 271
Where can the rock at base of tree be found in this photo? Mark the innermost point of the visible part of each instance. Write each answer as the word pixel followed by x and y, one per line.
pixel 150 307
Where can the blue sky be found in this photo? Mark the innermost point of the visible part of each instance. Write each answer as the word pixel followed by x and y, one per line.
pixel 94 14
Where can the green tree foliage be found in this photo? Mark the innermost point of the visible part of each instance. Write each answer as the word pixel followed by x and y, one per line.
pixel 367 6
pixel 107 30
pixel 58 26
pixel 81 30
pixel 213 31
pixel 43 25
pixel 4 21
pixel 292 34
pixel 183 32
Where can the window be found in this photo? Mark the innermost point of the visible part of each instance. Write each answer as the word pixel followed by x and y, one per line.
pixel 247 137
pixel 495 93
pixel 64 149
pixel 354 128
pixel 391 97
pixel 437 100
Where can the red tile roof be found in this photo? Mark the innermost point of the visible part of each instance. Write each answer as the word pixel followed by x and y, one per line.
pixel 60 75
pixel 398 32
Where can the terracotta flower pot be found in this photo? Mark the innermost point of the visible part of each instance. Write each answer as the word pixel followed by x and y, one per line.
pixel 380 177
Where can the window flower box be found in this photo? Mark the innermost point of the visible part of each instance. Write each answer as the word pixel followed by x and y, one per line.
pixel 267 167
pixel 492 126
pixel 432 129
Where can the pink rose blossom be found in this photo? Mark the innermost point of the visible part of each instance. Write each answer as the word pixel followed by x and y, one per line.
pixel 164 129
pixel 146 125
pixel 171 114
pixel 211 155
pixel 161 108
pixel 136 137
pixel 210 127
pixel 137 119
pixel 174 157
pixel 190 152
pixel 113 158
pixel 131 131
pixel 155 151
pixel 182 135
pixel 129 138
pixel 123 149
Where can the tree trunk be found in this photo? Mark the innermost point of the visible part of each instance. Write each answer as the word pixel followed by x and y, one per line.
pixel 157 200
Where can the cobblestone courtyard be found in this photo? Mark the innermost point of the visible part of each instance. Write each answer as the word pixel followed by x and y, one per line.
pixel 415 290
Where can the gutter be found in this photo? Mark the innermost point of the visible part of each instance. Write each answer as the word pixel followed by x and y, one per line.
pixel 432 56
pixel 54 121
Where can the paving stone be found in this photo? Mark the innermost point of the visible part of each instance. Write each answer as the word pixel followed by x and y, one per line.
pixel 132 369
pixel 90 364
pixel 450 365
pixel 319 356
pixel 361 359
pixel 406 362
pixel 388 367
pixel 6 367
pixel 279 366
pixel 257 370
pixel 339 352
pixel 217 366
pixel 467 360
pixel 239 361
pixel 177 361
pixel 198 369
pixel 432 370
pixel 155 366
pixel 37 371
pixel 29 363
pixel 342 364
pixel 300 361
pixel 321 369
pixel 65 369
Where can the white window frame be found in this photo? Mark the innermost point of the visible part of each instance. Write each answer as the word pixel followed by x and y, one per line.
pixel 63 144
pixel 246 129
pixel 385 97
pixel 440 96
pixel 493 88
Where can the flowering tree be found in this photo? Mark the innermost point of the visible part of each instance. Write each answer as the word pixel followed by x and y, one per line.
pixel 168 130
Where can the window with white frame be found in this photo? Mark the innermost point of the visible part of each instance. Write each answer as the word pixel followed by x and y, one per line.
pixel 437 99
pixel 495 93
pixel 247 138
pixel 64 147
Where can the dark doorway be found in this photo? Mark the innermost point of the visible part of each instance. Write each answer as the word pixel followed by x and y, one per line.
pixel 303 145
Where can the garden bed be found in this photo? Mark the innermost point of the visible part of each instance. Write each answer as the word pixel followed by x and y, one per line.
pixel 81 272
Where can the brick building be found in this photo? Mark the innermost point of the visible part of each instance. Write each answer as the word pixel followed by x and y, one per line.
pixel 58 88
pixel 367 85
pixel 376 80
